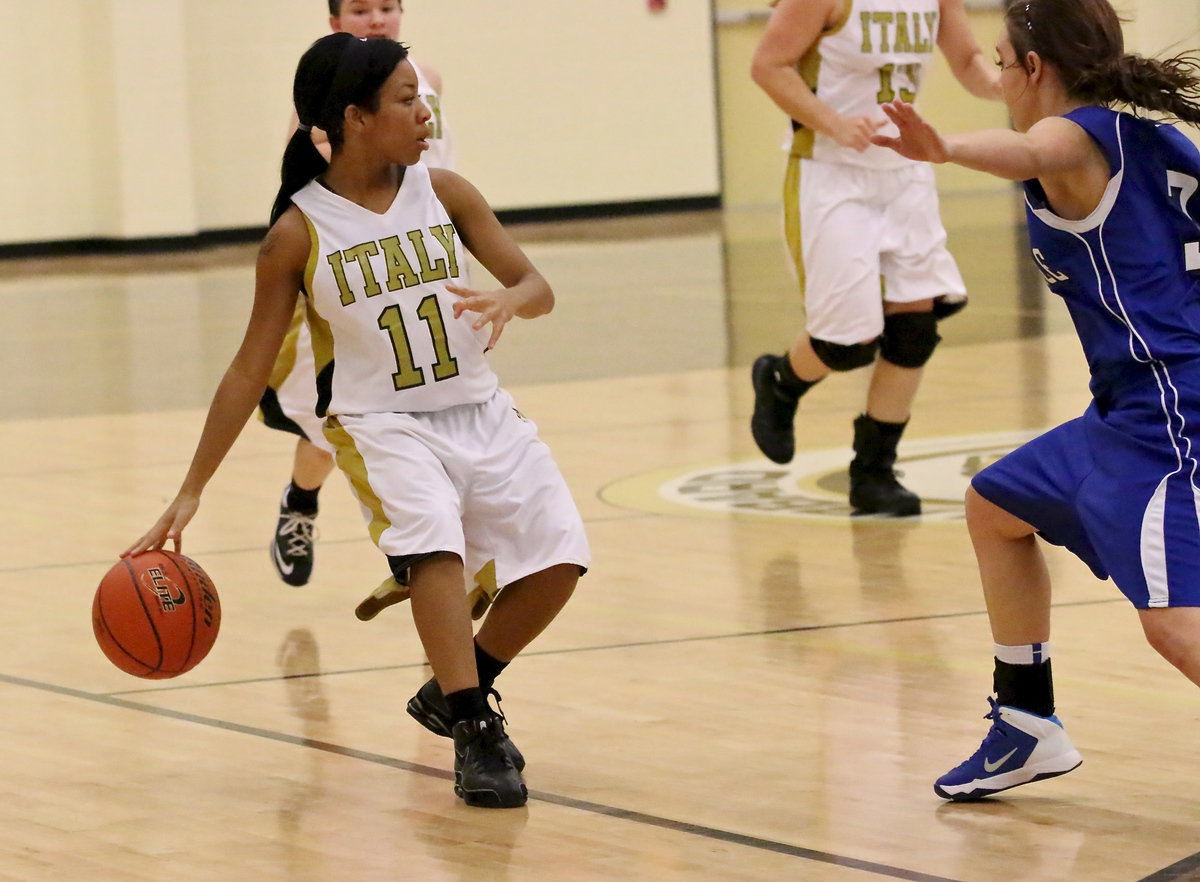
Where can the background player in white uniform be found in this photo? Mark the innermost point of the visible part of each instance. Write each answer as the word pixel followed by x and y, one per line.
pixel 447 472
pixel 289 404
pixel 861 222
pixel 1112 214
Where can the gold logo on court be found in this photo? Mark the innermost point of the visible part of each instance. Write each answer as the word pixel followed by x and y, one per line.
pixel 815 484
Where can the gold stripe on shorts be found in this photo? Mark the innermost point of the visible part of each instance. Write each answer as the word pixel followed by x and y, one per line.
pixel 350 461
pixel 791 213
pixel 285 361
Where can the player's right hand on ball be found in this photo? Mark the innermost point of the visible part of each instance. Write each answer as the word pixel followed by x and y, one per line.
pixel 168 527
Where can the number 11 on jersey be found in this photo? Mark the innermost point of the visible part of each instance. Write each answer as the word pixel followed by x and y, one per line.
pixel 408 374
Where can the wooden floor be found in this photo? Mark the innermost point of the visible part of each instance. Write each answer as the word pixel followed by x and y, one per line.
pixel 749 684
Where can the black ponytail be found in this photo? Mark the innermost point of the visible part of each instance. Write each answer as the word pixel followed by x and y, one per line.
pixel 337 71
pixel 302 162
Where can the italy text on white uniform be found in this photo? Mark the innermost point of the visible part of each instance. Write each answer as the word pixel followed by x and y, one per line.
pixel 437 455
pixel 853 218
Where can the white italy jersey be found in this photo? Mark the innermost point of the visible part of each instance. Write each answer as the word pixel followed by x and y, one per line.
pixel 877 51
pixel 441 147
pixel 384 335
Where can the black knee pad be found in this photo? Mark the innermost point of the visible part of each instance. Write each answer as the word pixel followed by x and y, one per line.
pixel 838 357
pixel 909 338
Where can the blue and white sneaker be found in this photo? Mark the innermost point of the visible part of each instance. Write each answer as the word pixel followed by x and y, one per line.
pixel 1020 747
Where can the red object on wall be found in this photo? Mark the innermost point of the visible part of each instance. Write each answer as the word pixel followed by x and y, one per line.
pixel 656 5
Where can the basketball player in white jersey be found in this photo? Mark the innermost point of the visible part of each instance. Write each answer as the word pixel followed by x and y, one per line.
pixel 289 403
pixel 450 477
pixel 861 222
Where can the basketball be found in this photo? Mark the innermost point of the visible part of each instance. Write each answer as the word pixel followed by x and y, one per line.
pixel 156 615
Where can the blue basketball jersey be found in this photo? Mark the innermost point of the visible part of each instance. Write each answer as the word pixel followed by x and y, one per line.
pixel 1128 272
pixel 1120 485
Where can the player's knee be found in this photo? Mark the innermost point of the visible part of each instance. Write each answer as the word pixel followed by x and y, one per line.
pixel 1176 645
pixel 909 338
pixel 840 357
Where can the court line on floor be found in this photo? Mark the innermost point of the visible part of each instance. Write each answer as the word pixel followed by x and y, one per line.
pixel 637 644
pixel 1186 870
pixel 568 802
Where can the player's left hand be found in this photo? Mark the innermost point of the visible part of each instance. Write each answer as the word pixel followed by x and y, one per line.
pixel 917 139
pixel 494 307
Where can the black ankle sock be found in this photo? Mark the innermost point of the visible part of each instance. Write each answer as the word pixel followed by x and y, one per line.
pixel 299 499
pixel 888 431
pixel 1028 687
pixel 788 380
pixel 489 668
pixel 467 704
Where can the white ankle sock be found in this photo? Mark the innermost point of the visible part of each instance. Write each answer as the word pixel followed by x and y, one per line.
pixel 1026 654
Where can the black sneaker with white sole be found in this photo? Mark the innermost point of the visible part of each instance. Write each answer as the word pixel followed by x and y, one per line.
pixel 292 547
pixel 484 776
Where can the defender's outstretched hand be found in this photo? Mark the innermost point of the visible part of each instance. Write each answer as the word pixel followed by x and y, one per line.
pixel 917 139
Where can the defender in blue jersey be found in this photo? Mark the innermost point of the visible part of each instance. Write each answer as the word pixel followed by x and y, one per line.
pixel 1112 208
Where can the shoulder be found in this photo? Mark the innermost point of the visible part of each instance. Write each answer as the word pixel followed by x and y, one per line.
pixel 450 185
pixel 287 242
pixel 827 13
pixel 1101 126
pixel 458 195
pixel 1075 126
pixel 1074 146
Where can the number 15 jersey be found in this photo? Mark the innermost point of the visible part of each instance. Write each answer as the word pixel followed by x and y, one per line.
pixel 383 330
pixel 876 51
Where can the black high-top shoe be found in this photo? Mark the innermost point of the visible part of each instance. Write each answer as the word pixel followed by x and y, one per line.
pixel 873 485
pixel 484 775
pixel 774 411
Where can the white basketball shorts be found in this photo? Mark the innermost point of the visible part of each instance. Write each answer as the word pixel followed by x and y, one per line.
pixel 860 236
pixel 473 479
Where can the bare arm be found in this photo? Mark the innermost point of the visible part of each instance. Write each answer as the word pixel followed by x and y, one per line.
pixel 1060 154
pixel 278 276
pixel 967 61
pixel 794 26
pixel 525 294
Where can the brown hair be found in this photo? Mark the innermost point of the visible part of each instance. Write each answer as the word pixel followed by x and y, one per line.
pixel 1083 40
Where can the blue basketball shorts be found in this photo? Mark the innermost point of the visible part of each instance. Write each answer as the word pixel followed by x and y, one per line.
pixel 1126 503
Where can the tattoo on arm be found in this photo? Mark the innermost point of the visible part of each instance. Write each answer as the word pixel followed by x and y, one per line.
pixel 270 241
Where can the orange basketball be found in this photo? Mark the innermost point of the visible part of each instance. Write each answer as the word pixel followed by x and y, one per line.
pixel 156 615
